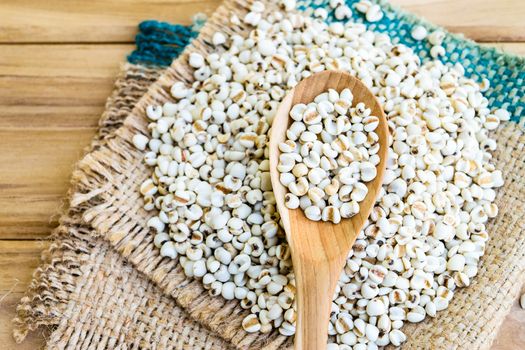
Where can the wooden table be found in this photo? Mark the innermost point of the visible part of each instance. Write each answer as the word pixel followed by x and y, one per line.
pixel 58 61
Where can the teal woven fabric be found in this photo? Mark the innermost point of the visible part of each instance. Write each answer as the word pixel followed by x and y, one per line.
pixel 506 72
pixel 159 43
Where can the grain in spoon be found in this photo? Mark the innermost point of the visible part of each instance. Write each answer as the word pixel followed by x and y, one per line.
pixel 319 249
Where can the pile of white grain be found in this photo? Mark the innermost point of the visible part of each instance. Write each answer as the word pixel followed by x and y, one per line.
pixel 211 191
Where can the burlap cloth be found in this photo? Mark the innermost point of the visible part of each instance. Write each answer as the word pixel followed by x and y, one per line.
pixel 103 284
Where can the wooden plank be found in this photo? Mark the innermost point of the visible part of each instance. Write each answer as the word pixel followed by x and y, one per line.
pixel 480 20
pixel 36 179
pixel 31 101
pixel 75 60
pixel 49 86
pixel 89 21
pixel 89 61
pixel 116 21
pixel 51 99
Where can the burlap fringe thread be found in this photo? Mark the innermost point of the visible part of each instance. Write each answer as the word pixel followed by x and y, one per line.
pixel 106 196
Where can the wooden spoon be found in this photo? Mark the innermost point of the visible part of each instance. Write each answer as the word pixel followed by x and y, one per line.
pixel 319 249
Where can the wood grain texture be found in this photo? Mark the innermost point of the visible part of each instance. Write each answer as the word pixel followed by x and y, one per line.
pixel 52 94
pixel 51 98
pixel 319 249
pixel 18 260
pixel 36 179
pixel 480 20
pixel 56 86
pixel 74 21
pixel 58 21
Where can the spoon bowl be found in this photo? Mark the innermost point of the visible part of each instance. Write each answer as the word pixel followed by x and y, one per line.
pixel 319 249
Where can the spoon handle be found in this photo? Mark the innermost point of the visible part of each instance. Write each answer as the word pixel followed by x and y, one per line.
pixel 316 283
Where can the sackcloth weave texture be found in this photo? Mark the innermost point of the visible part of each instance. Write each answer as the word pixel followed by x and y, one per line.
pixel 102 243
